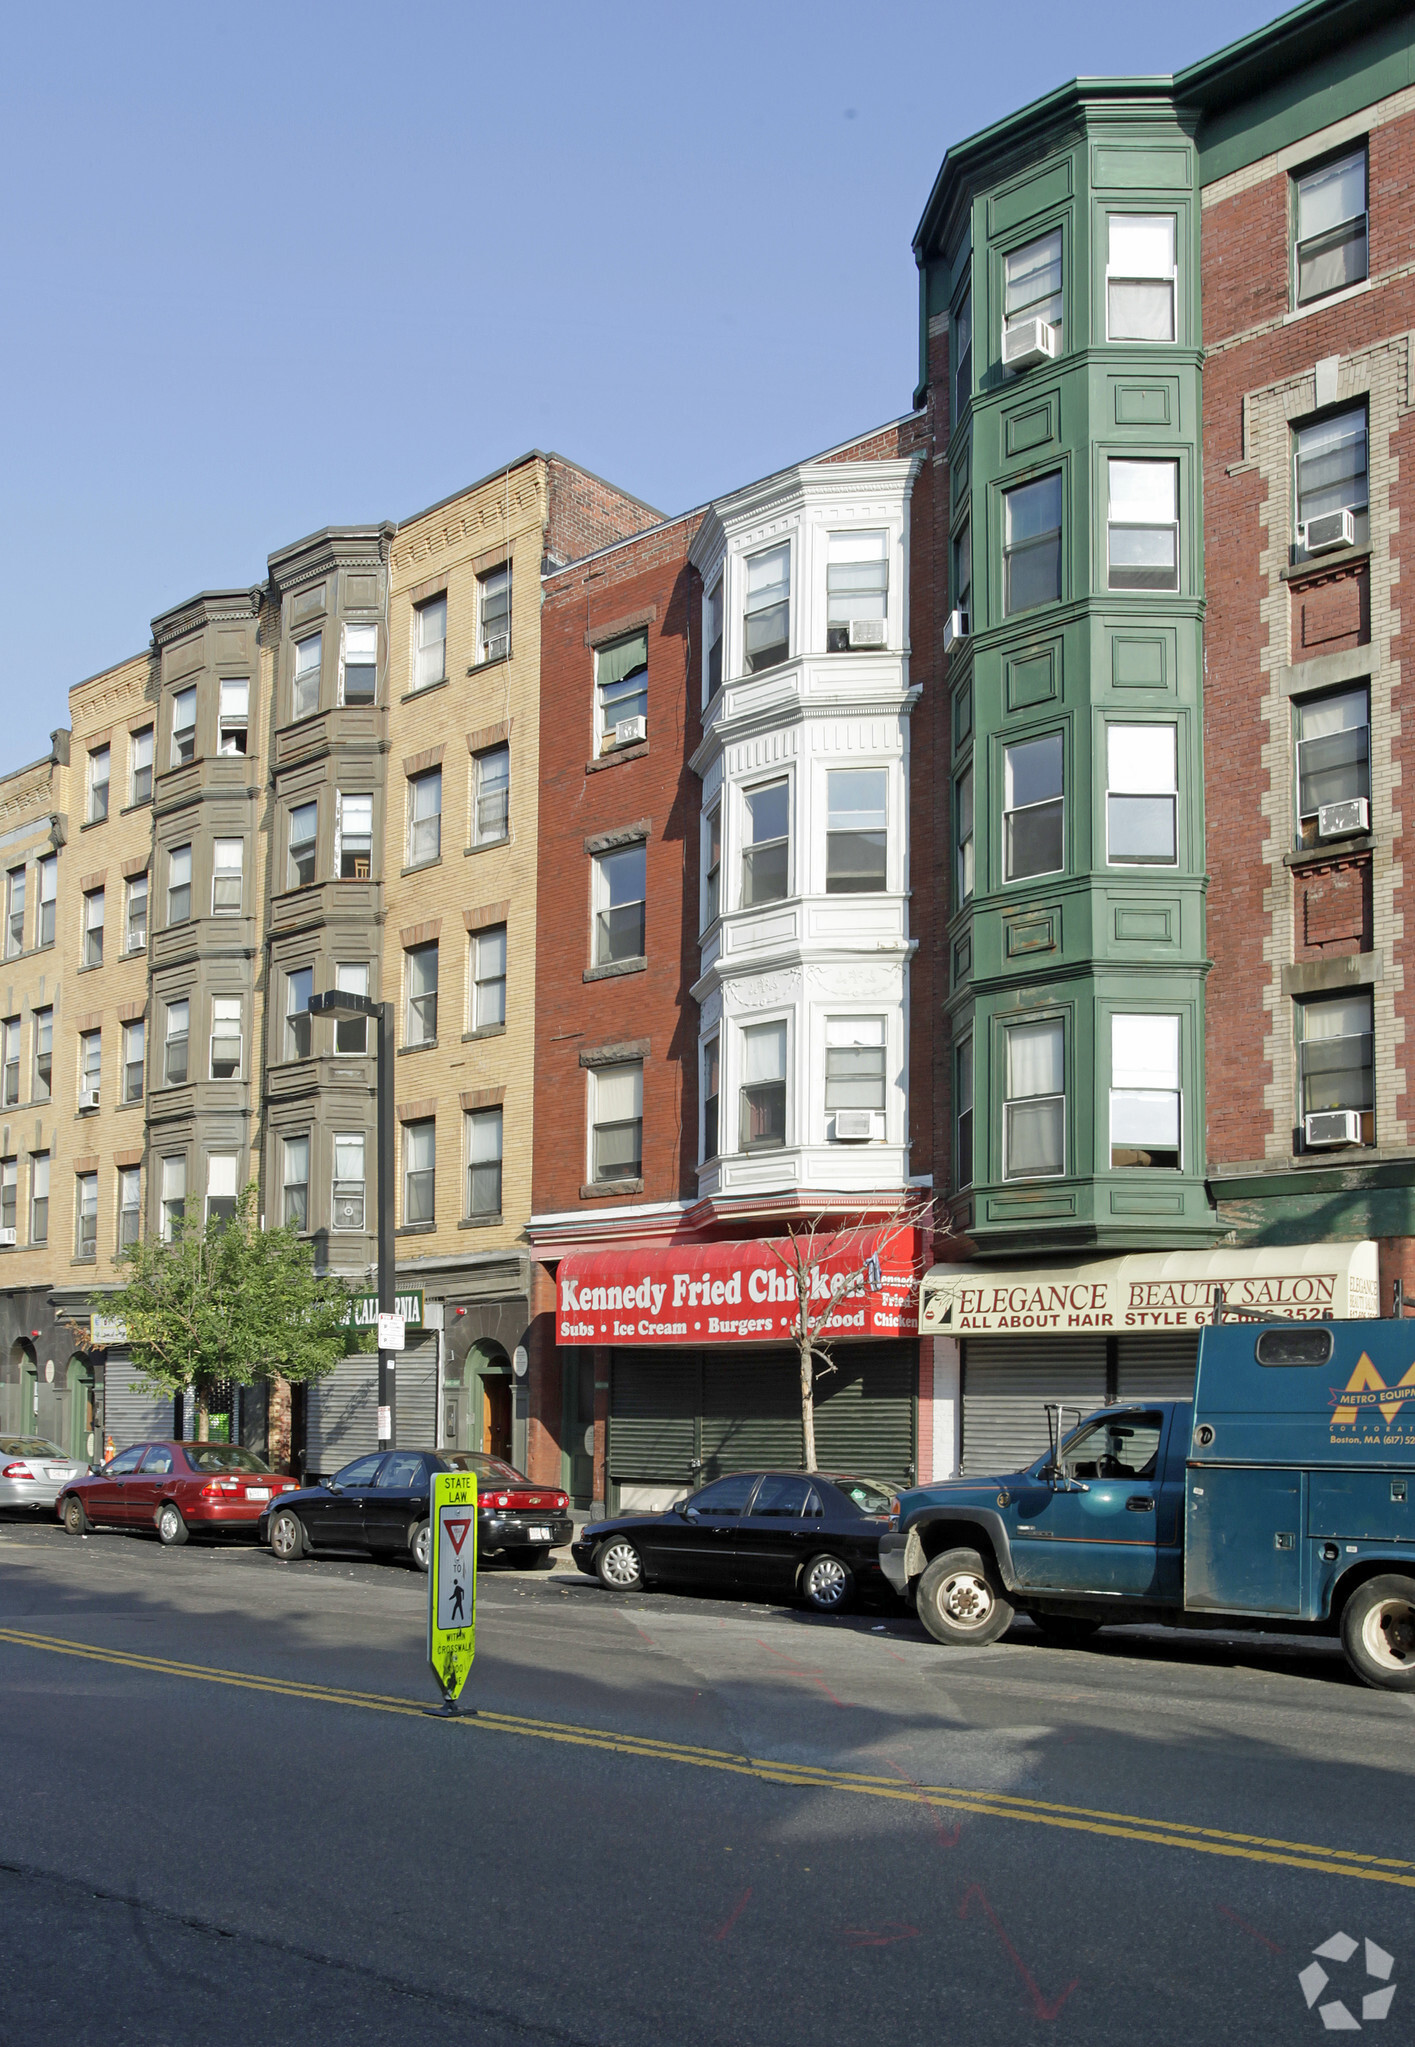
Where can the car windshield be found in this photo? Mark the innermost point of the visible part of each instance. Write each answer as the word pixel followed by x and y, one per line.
pixel 29 1446
pixel 487 1467
pixel 868 1497
pixel 223 1457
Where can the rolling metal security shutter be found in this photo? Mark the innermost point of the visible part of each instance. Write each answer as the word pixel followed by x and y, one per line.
pixel 751 1411
pixel 341 1415
pixel 866 1409
pixel 131 1415
pixel 653 1405
pixel 1157 1367
pixel 1006 1382
pixel 416 1381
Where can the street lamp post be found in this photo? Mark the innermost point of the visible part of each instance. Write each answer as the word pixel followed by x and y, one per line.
pixel 330 1002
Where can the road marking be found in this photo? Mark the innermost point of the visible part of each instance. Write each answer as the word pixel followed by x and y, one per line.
pixel 1117 1826
pixel 1044 2007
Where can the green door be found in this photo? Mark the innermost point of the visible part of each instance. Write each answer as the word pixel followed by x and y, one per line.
pixel 81 1409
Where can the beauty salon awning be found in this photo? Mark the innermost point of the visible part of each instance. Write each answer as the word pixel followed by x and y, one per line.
pixel 1152 1291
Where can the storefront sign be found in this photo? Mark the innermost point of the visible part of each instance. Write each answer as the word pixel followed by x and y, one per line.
pixel 710 1294
pixel 1159 1291
pixel 408 1305
pixel 106 1329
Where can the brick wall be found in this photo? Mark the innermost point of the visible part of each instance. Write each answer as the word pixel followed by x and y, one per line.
pixel 586 513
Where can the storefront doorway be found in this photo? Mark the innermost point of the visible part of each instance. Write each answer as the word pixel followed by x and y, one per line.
pixel 476 1401
pixel 79 1422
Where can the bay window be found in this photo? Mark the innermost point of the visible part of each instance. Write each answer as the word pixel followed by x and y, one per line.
pixel 857 837
pixel 1034 1106
pixel 856 589
pixel 1141 798
pixel 348 1180
pixel 762 1122
pixel 765 861
pixel 1144 1091
pixel 1033 796
pixel 766 620
pixel 1140 278
pixel 1031 544
pixel 360 664
pixel 1143 528
pixel 304 690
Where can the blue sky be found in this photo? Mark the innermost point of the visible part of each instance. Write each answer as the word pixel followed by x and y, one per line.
pixel 277 267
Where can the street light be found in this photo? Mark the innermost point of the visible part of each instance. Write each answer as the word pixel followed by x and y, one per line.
pixel 333 1000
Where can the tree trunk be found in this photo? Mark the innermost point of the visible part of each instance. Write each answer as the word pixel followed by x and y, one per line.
pixel 808 1408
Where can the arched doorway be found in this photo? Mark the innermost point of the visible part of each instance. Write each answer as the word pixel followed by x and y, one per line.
pixel 82 1441
pixel 487 1375
pixel 22 1358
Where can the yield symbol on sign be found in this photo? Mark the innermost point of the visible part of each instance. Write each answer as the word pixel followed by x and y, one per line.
pixel 457 1530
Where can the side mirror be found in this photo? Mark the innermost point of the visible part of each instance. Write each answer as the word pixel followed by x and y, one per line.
pixel 332 1485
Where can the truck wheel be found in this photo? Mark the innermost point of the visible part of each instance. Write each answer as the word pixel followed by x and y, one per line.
pixel 1378 1633
pixel 960 1599
pixel 1063 1630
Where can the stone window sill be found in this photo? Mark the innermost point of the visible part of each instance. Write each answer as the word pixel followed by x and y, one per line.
pixel 486 1031
pixel 428 1045
pixel 614 968
pixel 120 1106
pixel 94 967
pixel 92 823
pixel 479 667
pixel 1323 564
pixel 1334 849
pixel 617 756
pixel 479 1222
pixel 85 1258
pixel 415 1229
pixel 129 808
pixel 486 845
pixel 594 1190
pixel 427 690
pixel 422 866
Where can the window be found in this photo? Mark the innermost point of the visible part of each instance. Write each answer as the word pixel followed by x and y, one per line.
pixel 1032 823
pixel 713 617
pixel 221 1187
pixel 1143 532
pixel 295 1183
pixel 425 817
pixel 304 694
pixel 86 1215
pixel 14 912
pixel 93 928
pixel 430 642
pixel 1140 277
pixel 233 717
pixel 1333 754
pixel 98 784
pixel 43 1054
pixel 1141 795
pixel 184 727
pixel 620 887
pixel 179 884
pixel 712 1089
pixel 419 1171
pixel 963 569
pixel 47 872
pixel 1144 1091
pixel 1034 1111
pixel 90 1067
pixel 766 624
pixel 178 1037
pixel 140 765
pixel 136 923
pixel 964 849
pixel 963 357
pixel 622 689
pixel 304 826
pixel 491 796
pixel 360 664
pixel 348 1179
pixel 1031 554
pixel 854 1062
pixel 134 1044
pixel 763 1105
pixel 1331 468
pixel 353 836
pixel 9 1196
pixel 1032 284
pixel 712 866
pixel 856 587
pixel 489 979
pixel 10 1069
pixel 494 607
pixel 764 856
pixel 39 1198
pixel 226 877
pixel 484 1162
pixel 856 836
pixel 129 1205
pixel 298 988
pixel 963 1110
pixel 351 1032
pixel 1122 1446
pixel 174 1195
pixel 618 1122
pixel 1335 1058
pixel 1330 227
pixel 225 1037
pixel 420 1026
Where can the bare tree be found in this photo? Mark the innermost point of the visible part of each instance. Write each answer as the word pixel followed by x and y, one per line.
pixel 824 1267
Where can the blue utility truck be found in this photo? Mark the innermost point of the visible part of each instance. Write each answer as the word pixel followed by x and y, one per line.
pixel 1279 1498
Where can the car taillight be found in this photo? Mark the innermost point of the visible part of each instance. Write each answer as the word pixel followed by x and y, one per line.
pixel 562 1501
pixel 16 1471
pixel 216 1487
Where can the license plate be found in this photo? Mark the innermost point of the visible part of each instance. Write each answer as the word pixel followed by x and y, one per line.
pixel 257 1492
pixel 59 1470
pixel 540 1534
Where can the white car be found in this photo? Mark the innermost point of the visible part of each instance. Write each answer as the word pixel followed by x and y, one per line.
pixel 33 1472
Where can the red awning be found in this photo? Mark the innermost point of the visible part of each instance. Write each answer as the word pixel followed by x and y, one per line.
pixel 744 1292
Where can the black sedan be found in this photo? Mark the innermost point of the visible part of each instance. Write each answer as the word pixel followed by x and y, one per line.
pixel 516 1518
pixel 378 1503
pixel 768 1534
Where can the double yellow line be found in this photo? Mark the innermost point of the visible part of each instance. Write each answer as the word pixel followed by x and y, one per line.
pixel 998 1805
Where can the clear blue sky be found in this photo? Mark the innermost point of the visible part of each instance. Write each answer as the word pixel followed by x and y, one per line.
pixel 275 267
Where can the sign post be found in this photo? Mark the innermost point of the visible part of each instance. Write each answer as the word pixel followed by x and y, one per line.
pixel 452 1582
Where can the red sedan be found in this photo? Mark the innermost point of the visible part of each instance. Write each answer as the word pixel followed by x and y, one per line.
pixel 177 1488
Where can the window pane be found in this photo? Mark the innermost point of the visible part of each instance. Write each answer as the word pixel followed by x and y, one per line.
pixel 1036 1138
pixel 1331 466
pixel 1144 1051
pixel 856 836
pixel 1331 195
pixel 1141 758
pixel 768 812
pixel 764 1053
pixel 1141 244
pixel 619 1093
pixel 1034 1059
pixel 1033 771
pixel 1141 828
pixel 1140 311
pixel 1033 280
pixel 1332 261
pixel 1333 769
pixel 767 625
pixel 1143 492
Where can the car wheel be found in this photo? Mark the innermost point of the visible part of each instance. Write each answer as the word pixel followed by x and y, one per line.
pixel 528 1556
pixel 827 1584
pixel 420 1546
pixel 1062 1629
pixel 288 1541
pixel 75 1519
pixel 171 1528
pixel 1378 1633
pixel 619 1566
pixel 960 1600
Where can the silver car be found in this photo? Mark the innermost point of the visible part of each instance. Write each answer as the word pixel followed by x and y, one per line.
pixel 33 1472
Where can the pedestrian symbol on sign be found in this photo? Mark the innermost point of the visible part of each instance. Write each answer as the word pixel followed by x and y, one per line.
pixel 452 1580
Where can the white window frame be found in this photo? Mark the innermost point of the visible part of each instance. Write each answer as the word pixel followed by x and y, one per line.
pixel 177 1011
pixel 478 980
pixel 1027 309
pixel 177 886
pixel 412 1014
pixel 351 1029
pixel 224 871
pixel 714 615
pixel 134 1040
pixel 420 1126
pixel 1301 177
pixel 40 1168
pixel 601 908
pixel 300 706
pixel 423 846
pixel 604 740
pixel 227 1036
pixel 46 874
pixel 1122 794
pixel 747 846
pixel 99 783
pixel 481 773
pixel 712 867
pixel 139 891
pixel 782 543
pixel 295 1153
pixel 759 1025
pixel 293 878
pixel 494 646
pixel 223 1173
pixel 295 1031
pixel 710 1065
pixel 183 748
pixel 90 1061
pixel 1154 463
pixel 15 894
pixel 478 1121
pixel 233 715
pixel 1129 1096
pixel 129 1210
pixel 347 1187
pixel 423 647
pixel 1133 276
pixel 597 1076
pixel 86 1215
pixel 137 766
pixel 352 626
pixel 95 910
pixel 173 1193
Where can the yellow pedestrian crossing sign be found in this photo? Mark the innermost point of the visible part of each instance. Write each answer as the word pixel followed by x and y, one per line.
pixel 452 1579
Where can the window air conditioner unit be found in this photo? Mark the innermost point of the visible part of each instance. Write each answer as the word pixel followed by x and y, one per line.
pixel 1029 341
pixel 1332 1126
pixel 852 1125
pixel 956 627
pixel 1332 529
pixel 629 729
pixel 496 649
pixel 1340 820
pixel 867 632
pixel 7 1237
pixel 88 1097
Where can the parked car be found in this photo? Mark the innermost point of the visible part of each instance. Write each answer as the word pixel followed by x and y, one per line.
pixel 515 1517
pixel 771 1534
pixel 180 1489
pixel 378 1503
pixel 33 1471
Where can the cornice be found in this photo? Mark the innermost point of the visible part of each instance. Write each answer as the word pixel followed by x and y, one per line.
pixel 335 547
pixel 205 608
pixel 805 483
pixel 779 717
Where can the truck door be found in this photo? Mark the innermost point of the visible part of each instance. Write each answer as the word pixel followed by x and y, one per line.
pixel 1241 1551
pixel 1118 1533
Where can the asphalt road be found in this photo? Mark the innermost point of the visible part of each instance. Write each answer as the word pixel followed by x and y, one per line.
pixel 227 1814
